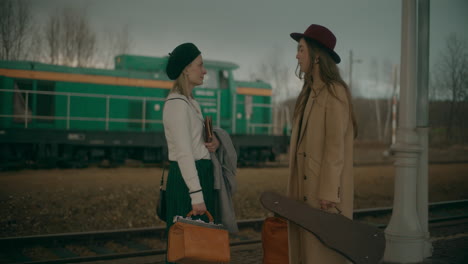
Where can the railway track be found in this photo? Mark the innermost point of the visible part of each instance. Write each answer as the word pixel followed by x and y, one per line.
pixel 389 162
pixel 141 242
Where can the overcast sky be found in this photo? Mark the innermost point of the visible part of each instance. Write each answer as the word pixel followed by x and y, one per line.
pixel 247 32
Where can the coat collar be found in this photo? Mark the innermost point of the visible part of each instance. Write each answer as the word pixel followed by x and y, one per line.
pixel 308 109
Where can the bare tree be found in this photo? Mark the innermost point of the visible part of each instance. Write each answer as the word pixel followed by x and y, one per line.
pixel 70 38
pixel 112 44
pixel 69 21
pixel 451 79
pixel 52 36
pixel 123 42
pixel 36 47
pixel 15 25
pixel 85 44
pixel 274 71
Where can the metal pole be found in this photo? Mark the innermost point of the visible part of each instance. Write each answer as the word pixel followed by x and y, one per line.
pixel 394 104
pixel 351 70
pixel 423 121
pixel 404 236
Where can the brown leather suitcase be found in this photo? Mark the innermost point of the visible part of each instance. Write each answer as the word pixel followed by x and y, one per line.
pixel 359 242
pixel 275 241
pixel 198 242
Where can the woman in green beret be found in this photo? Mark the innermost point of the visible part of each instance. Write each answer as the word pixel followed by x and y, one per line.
pixel 190 183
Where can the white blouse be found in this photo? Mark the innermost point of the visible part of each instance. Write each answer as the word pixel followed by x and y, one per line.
pixel 183 128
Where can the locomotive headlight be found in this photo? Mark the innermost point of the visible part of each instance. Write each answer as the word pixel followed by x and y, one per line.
pixel 239 115
pixel 157 107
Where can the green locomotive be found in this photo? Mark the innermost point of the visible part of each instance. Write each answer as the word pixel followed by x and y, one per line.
pixel 60 115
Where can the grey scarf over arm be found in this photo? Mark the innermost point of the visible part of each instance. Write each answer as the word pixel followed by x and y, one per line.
pixel 224 169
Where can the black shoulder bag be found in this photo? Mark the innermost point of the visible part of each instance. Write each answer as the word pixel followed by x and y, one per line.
pixel 161 203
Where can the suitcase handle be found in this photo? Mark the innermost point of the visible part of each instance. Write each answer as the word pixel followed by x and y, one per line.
pixel 210 217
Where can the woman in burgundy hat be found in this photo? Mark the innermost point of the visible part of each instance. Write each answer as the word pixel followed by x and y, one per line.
pixel 321 149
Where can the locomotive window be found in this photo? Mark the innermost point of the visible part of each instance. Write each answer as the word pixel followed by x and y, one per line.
pixel 135 112
pixel 46 102
pixel 248 106
pixel 19 101
pixel 211 79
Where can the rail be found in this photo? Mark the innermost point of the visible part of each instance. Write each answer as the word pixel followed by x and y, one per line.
pixel 14 246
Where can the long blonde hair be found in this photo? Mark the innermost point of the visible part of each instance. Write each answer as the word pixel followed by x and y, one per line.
pixel 181 86
pixel 329 73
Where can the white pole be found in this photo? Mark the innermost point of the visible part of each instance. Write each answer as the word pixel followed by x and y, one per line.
pixel 350 71
pixel 394 105
pixel 423 121
pixel 404 236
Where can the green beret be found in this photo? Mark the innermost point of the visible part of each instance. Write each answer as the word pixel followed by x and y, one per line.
pixel 179 58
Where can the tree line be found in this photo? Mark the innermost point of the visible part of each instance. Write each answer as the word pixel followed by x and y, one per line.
pixel 66 37
pixel 448 96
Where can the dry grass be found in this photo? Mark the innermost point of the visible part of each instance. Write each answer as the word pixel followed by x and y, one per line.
pixel 75 200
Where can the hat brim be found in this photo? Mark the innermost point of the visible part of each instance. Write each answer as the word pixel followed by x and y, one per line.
pixel 296 36
pixel 333 54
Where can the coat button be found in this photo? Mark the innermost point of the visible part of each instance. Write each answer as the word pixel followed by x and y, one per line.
pixel 305 177
pixel 305 198
pixel 305 154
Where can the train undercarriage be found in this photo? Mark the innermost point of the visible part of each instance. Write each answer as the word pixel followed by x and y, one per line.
pixel 38 148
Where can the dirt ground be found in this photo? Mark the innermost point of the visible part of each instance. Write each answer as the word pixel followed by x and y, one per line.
pixel 75 200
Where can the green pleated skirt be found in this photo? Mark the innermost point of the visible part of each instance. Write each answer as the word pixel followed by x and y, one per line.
pixel 178 200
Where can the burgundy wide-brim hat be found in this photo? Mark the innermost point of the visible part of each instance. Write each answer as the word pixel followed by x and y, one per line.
pixel 321 35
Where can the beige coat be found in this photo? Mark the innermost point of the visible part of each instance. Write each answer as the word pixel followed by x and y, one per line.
pixel 321 167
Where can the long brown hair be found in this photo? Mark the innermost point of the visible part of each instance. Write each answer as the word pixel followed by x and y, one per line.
pixel 329 73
